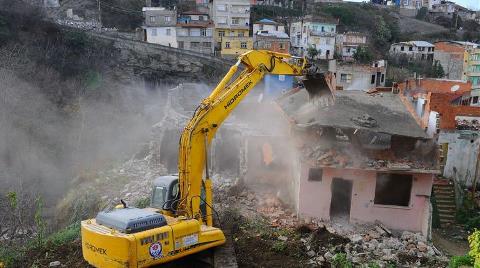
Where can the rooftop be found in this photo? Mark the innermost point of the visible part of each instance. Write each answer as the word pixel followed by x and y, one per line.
pixel 381 112
pixel 360 130
pixel 437 86
pixel 416 43
pixel 267 21
pixel 276 34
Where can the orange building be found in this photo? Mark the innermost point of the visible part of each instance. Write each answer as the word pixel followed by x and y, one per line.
pixel 437 103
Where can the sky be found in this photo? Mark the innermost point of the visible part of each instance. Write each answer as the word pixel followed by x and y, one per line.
pixel 473 4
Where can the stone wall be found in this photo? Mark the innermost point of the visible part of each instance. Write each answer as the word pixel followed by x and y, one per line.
pixel 162 63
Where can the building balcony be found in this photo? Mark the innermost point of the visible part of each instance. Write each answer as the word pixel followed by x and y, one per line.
pixel 326 34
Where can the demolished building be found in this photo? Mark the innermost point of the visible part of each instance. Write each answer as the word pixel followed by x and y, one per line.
pixel 450 114
pixel 361 159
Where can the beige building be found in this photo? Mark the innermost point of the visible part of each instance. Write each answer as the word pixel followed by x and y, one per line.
pixel 231 19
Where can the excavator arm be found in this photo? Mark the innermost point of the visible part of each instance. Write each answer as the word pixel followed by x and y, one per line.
pixel 208 117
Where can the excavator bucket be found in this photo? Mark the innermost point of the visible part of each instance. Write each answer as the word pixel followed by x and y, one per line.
pixel 318 84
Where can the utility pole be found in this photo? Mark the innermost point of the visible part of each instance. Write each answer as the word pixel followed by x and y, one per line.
pixel 99 12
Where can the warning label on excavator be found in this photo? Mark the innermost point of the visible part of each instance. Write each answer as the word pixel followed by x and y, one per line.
pixel 190 240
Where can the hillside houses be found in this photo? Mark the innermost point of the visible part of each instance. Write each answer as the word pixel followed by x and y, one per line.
pixel 421 50
pixel 315 33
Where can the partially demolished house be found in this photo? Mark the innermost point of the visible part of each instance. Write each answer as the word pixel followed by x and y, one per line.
pixel 449 113
pixel 361 158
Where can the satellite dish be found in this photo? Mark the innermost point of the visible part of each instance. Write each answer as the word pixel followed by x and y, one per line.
pixel 455 88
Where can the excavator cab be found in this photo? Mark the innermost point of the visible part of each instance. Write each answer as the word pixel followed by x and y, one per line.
pixel 165 195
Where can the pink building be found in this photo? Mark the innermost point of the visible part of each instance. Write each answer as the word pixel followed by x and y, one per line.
pixel 361 159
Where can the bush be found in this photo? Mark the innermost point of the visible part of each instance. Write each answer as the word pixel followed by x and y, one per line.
pixel 457 261
pixel 142 202
pixel 474 241
pixel 472 223
pixel 11 256
pixel 279 246
pixel 422 13
pixel 363 55
pixel 5 33
pixel 340 261
pixel 67 235
pixel 467 211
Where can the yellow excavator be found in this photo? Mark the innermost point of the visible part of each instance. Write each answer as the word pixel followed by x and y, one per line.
pixel 179 221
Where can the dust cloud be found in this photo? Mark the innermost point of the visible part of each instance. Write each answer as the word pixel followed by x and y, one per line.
pixel 45 146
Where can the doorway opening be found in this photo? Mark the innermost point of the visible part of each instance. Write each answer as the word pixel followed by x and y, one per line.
pixel 341 199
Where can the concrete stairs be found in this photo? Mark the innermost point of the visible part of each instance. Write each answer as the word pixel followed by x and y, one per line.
pixel 445 199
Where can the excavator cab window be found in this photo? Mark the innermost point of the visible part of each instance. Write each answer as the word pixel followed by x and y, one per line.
pixel 166 196
pixel 158 197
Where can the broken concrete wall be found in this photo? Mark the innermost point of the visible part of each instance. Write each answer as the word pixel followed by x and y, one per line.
pixel 462 155
pixel 270 162
pixel 315 199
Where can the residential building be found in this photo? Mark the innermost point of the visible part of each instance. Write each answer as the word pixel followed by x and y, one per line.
pixel 347 44
pixel 448 9
pixel 420 50
pixel 362 158
pixel 268 25
pixel 233 46
pixel 272 40
pixel 195 32
pixel 473 70
pixel 282 3
pixel 270 35
pixel 353 76
pixel 232 19
pixel 453 56
pixel 278 41
pixel 450 114
pixel 159 26
pixel 315 33
pixel 410 4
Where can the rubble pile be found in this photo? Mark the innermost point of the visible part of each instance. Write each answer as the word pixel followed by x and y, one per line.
pixel 327 157
pixel 343 157
pixel 140 178
pixel 322 240
pixel 467 124
pixel 380 246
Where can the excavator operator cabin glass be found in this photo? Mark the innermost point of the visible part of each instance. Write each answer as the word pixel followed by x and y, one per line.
pixel 159 197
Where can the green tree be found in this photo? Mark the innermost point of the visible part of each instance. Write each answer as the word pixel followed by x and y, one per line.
pixel 422 13
pixel 312 52
pixel 437 70
pixel 382 34
pixel 363 55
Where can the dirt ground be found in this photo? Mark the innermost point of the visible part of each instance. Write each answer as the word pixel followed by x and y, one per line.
pixel 451 240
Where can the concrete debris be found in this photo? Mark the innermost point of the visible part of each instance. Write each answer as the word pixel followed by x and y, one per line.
pixel 54 264
pixel 348 157
pixel 365 121
pixel 322 240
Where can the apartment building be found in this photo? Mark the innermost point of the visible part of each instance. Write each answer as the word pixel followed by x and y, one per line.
pixel 160 26
pixel 348 43
pixel 268 25
pixel 195 32
pixel 421 50
pixel 454 58
pixel 314 32
pixel 473 71
pixel 232 20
